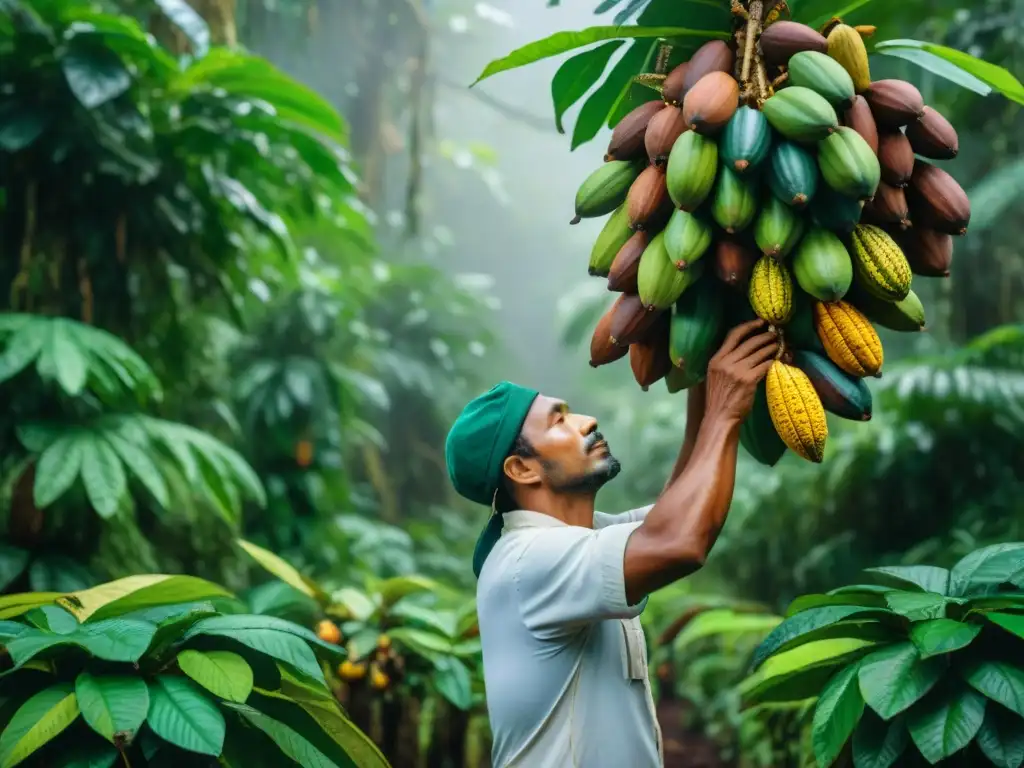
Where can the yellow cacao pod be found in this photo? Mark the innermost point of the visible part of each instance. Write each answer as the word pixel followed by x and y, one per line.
pixel 849 339
pixel 796 411
pixel 771 291
pixel 846 46
pixel 883 270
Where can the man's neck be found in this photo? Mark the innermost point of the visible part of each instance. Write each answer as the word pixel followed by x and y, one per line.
pixel 570 508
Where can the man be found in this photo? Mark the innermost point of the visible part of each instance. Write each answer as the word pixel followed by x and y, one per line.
pixel 561 587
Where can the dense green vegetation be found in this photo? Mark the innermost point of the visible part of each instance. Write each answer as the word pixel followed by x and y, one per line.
pixel 230 350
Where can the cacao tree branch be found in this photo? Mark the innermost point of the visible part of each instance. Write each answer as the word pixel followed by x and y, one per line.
pixel 755 12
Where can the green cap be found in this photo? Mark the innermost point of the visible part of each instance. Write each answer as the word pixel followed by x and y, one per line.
pixel 478 443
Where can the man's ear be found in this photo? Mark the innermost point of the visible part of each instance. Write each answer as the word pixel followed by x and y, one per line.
pixel 521 471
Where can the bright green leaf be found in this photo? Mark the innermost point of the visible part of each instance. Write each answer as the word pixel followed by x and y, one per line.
pixel 877 743
pixel 343 732
pixel 283 570
pixel 939 636
pixel 181 714
pixel 358 603
pixel 917 606
pixel 451 678
pixel 142 467
pixel 893 678
pixel 997 77
pixel 986 567
pixel 725 622
pixel 945 723
pixel 420 641
pixel 289 741
pixel 222 673
pixel 839 709
pixel 103 475
pixel 926 578
pixel 562 42
pixel 601 104
pixel 69 361
pixel 17 604
pixel 134 593
pixel 801 624
pixel 1011 622
pixel 866 599
pixel 55 619
pixel 124 640
pixel 95 75
pixel 577 75
pixel 58 467
pixel 937 66
pixel 112 704
pixel 1000 681
pixel 802 671
pixel 38 721
pixel 394 589
pixel 1001 737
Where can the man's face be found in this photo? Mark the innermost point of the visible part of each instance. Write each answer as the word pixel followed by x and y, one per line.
pixel 571 455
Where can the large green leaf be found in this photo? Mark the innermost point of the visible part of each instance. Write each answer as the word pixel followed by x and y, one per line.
pixel 282 570
pixel 276 638
pixel 451 678
pixel 103 475
pixel 289 741
pixel 893 678
pixel 427 644
pixel 123 640
pixel 222 673
pixel 946 722
pixel 1001 737
pixel 926 578
pixel 181 714
pixel 786 634
pixel 866 598
pixel 803 671
pixel 112 704
pixel 65 357
pixel 939 636
pixel 394 589
pixel 134 593
pixel 917 606
pixel 986 567
pixel 877 743
pixel 1011 622
pixel 58 467
pixel 38 721
pixel 995 76
pixel 599 107
pixel 725 622
pixel 142 466
pixel 937 66
pixel 839 709
pixel 95 75
pixel 562 42
pixel 22 602
pixel 1000 681
pixel 577 75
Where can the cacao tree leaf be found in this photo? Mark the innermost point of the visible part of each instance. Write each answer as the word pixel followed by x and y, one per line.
pixel 837 713
pixel 797 626
pixel 124 640
pixel 283 570
pixel 289 741
pixel 13 561
pixel 802 672
pixel 428 644
pixel 724 622
pixel 939 636
pixel 66 358
pixel 134 593
pixel 180 714
pixel 103 475
pixel 58 467
pixel 577 75
pixel 946 722
pixel 937 66
pixel 37 722
pixel 562 42
pixel 22 348
pixel 1001 737
pixel 993 75
pixel 452 680
pixel 866 599
pixel 9 630
pixel 924 578
pixel 917 606
pixel 22 602
pixel 112 704
pixel 1011 622
pixel 985 567
pixel 877 743
pixel 394 589
pixel 55 619
pixel 142 467
pixel 356 744
pixel 999 680
pixel 94 75
pixel 222 673
pixel 602 103
pixel 430 618
pixel 895 677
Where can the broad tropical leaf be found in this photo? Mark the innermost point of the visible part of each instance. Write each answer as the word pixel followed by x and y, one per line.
pixel 112 704
pixel 124 640
pixel 1001 737
pixel 926 578
pixel 135 593
pixel 801 624
pixel 939 636
pixel 999 681
pixel 577 75
pixel 989 566
pixel 181 714
pixel 839 709
pixel 222 673
pixel 282 570
pixel 35 723
pixel 877 743
pixel 893 678
pixel 946 723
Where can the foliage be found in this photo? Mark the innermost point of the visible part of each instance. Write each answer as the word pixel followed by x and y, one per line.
pixel 680 27
pixel 929 659
pixel 160 670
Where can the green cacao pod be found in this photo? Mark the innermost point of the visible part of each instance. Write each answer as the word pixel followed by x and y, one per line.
pixel 687 238
pixel 848 165
pixel 696 327
pixel 735 200
pixel 778 228
pixel 610 239
pixel 690 174
pixel 659 283
pixel 758 435
pixel 822 266
pixel 823 75
pixel 800 114
pixel 842 394
pixel 746 140
pixel 793 174
pixel 835 212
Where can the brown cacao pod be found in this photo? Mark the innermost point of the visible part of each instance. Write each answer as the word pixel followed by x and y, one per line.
pixel 930 253
pixel 649 357
pixel 937 201
pixel 672 92
pixel 896 158
pixel 711 102
pixel 888 207
pixel 630 319
pixel 733 263
pixel 780 40
pixel 713 56
pixel 932 136
pixel 859 118
pixel 662 132
pixel 602 349
pixel 646 197
pixel 627 141
pixel 622 275
pixel 894 103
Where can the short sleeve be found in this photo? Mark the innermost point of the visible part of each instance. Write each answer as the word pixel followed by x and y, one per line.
pixel 569 577
pixel 603 519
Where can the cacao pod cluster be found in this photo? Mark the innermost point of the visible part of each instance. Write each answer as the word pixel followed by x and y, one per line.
pixel 380 670
pixel 807 196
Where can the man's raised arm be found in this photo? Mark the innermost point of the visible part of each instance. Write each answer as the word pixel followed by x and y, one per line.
pixel 677 534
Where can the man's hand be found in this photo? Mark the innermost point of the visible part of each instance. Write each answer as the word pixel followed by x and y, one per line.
pixel 737 368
